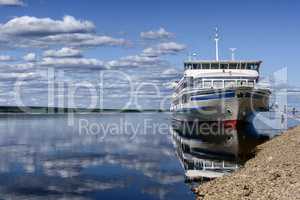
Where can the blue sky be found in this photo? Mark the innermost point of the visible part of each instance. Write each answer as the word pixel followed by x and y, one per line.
pixel 111 35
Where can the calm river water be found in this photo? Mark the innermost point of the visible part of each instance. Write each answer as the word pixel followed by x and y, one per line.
pixel 91 156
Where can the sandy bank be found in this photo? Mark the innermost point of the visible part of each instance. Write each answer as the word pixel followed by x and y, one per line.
pixel 274 173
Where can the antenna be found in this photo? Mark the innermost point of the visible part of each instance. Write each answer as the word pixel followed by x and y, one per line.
pixel 194 55
pixel 232 53
pixel 217 43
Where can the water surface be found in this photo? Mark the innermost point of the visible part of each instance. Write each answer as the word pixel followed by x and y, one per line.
pixel 105 156
pixel 42 157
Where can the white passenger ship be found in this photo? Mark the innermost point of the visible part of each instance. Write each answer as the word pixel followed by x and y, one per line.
pixel 219 90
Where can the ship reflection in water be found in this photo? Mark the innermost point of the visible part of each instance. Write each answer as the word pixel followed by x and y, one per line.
pixel 212 150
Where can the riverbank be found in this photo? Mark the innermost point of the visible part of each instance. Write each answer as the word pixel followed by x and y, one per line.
pixel 274 173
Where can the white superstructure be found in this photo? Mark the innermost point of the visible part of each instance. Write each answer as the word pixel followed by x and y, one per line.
pixel 214 90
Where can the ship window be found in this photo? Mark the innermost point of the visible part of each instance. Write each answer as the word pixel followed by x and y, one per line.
pixel 255 67
pixel 218 84
pixel 232 66
pixel 229 83
pixel 251 83
pixel 205 66
pixel 240 95
pixel 214 66
pixel 198 83
pixel 189 82
pixel 243 65
pixel 195 66
pixel 224 66
pixel 189 66
pixel 207 84
pixel 249 66
pixel 241 82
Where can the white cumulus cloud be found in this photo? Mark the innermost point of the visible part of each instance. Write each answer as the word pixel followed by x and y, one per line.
pixel 33 32
pixel 170 71
pixel 133 61
pixel 20 75
pixel 33 26
pixel 84 40
pixel 6 58
pixel 30 57
pixel 157 34
pixel 63 52
pixel 163 49
pixel 72 62
pixel 11 3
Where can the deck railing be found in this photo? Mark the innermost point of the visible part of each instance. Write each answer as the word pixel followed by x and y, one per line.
pixel 219 84
pixel 216 84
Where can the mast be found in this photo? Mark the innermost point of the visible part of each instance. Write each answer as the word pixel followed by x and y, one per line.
pixel 217 43
pixel 232 53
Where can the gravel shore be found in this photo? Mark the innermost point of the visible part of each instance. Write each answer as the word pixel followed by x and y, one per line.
pixel 274 173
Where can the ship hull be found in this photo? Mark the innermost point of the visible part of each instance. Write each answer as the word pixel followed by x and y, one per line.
pixel 228 105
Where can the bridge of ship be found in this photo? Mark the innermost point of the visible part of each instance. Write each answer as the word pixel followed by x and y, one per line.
pixel 219 74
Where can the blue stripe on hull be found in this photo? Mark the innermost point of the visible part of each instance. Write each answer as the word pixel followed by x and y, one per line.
pixel 195 109
pixel 214 96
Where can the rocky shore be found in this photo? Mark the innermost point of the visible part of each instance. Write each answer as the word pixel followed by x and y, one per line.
pixel 274 173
